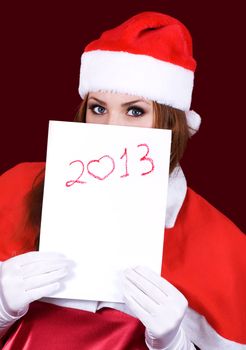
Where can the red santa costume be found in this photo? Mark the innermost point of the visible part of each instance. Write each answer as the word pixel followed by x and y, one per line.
pixel 204 252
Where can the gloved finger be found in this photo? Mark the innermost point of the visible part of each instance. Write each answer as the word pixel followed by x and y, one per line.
pixel 30 257
pixel 44 279
pixel 160 282
pixel 136 309
pixel 41 292
pixel 146 286
pixel 41 267
pixel 140 297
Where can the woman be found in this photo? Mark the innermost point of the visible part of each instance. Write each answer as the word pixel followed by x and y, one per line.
pixel 138 74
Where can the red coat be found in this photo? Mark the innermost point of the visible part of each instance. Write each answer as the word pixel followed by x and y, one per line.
pixel 204 258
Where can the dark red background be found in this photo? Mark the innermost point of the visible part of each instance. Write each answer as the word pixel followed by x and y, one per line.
pixel 40 59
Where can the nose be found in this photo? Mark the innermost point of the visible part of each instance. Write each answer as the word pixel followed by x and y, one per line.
pixel 113 119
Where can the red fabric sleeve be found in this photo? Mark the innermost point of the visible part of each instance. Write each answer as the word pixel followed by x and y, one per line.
pixel 204 257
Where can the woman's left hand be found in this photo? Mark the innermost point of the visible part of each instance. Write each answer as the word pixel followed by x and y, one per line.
pixel 156 303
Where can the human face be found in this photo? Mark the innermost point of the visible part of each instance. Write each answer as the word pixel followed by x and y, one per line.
pixel 119 109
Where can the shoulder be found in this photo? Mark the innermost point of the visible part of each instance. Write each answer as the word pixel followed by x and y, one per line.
pixel 15 184
pixel 19 179
pixel 204 231
pixel 22 172
pixel 207 231
pixel 199 213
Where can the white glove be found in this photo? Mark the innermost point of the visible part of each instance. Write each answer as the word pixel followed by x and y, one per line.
pixel 159 306
pixel 28 277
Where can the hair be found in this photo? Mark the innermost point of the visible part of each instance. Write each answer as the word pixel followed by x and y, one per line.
pixel 165 117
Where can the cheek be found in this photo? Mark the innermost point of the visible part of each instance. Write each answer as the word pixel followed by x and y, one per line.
pixel 147 121
pixel 91 118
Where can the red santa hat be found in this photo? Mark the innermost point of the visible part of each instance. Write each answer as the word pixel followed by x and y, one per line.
pixel 149 55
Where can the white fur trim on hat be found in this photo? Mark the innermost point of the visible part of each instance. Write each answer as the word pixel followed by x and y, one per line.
pixel 193 121
pixel 135 74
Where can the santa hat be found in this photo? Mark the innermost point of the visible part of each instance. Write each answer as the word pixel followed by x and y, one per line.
pixel 149 55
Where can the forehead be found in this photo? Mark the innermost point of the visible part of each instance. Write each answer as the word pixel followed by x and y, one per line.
pixel 116 97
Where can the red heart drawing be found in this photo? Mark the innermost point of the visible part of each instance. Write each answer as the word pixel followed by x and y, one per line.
pixel 101 165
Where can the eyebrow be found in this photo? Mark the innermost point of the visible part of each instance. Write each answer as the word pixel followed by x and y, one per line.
pixel 123 104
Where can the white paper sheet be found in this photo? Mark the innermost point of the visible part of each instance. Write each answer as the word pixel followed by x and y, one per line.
pixel 113 217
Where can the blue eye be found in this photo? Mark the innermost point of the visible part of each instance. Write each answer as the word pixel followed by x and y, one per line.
pixel 135 111
pixel 97 109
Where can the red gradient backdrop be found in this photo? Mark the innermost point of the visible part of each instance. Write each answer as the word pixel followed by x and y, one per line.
pixel 40 59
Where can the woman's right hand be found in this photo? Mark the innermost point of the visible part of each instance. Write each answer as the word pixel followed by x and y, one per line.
pixel 29 277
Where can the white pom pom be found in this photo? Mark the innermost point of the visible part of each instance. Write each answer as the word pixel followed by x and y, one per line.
pixel 193 121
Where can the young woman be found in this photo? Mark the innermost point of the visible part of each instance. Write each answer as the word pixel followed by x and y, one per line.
pixel 137 74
